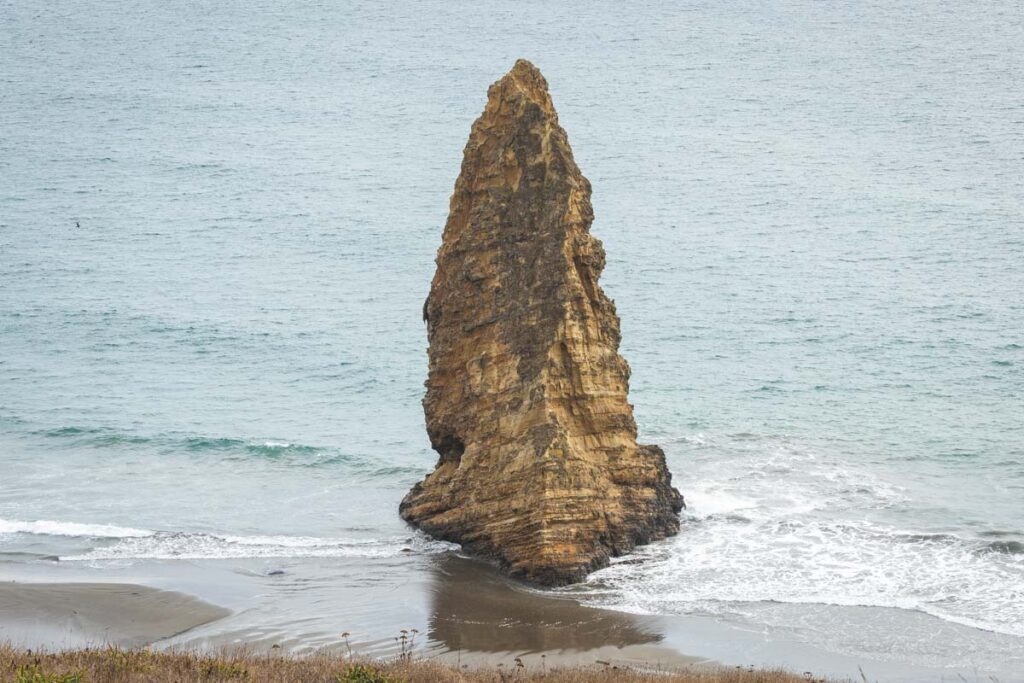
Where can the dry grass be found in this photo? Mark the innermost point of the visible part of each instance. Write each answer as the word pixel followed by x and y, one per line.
pixel 114 665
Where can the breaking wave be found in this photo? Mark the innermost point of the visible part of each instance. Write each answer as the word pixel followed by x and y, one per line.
pixel 779 523
pixel 51 528
pixel 126 543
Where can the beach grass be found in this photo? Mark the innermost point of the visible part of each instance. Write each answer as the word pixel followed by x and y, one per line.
pixel 115 665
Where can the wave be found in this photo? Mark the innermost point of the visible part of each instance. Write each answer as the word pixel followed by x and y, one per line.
pixel 199 546
pixel 51 528
pixel 1007 547
pixel 127 543
pixel 285 451
pixel 772 520
pixel 271 448
pixel 717 561
pixel 21 557
pixel 100 437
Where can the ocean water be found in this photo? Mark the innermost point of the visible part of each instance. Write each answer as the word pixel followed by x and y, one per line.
pixel 217 226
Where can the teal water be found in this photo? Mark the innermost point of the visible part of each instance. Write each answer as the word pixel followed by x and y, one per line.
pixel 813 218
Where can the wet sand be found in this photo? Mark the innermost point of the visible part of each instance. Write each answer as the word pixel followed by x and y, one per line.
pixel 70 615
pixel 481 617
pixel 464 613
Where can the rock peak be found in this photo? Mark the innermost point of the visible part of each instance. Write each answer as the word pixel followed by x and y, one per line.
pixel 524 81
pixel 527 396
pixel 527 76
pixel 524 69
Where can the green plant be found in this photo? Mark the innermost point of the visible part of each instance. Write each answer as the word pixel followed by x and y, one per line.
pixel 31 673
pixel 361 673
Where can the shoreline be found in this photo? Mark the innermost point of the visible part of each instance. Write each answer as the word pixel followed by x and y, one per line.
pixel 465 614
pixel 495 623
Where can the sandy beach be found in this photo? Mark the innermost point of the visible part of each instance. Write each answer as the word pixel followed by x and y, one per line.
pixel 479 619
pixel 73 615
pixel 464 613
pixel 476 617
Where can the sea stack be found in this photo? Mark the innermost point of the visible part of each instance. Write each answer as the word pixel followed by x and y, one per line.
pixel 526 399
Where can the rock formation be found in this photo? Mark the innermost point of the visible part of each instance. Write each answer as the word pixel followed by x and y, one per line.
pixel 527 395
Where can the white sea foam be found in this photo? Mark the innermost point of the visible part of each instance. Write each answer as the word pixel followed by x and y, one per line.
pixel 196 546
pixel 136 544
pixel 771 521
pixel 709 500
pixel 53 528
pixel 190 546
pixel 717 562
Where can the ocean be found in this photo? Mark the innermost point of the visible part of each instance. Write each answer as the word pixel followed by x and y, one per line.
pixel 217 230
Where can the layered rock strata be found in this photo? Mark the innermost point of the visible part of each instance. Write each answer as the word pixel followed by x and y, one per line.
pixel 526 398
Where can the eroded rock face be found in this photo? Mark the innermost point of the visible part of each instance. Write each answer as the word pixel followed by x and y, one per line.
pixel 527 395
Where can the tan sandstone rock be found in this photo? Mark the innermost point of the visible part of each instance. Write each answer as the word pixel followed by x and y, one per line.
pixel 527 395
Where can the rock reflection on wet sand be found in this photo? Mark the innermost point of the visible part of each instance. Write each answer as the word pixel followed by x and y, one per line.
pixel 473 608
